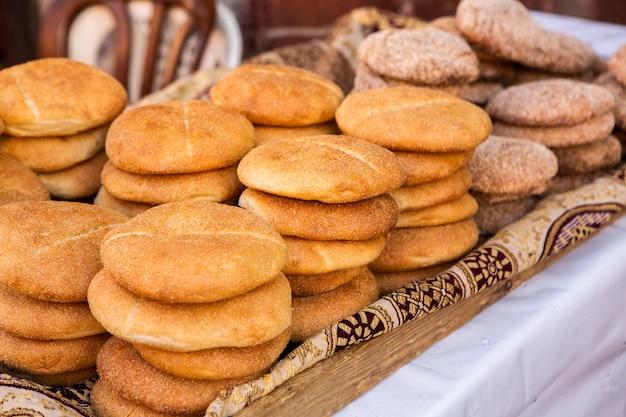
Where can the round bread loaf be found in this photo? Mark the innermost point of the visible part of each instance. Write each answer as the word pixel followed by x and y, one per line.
pixel 218 363
pixel 426 56
pixel 312 314
pixel 106 402
pixel 245 320
pixel 413 119
pixel 617 64
pixel 54 153
pixel 311 284
pixel 263 134
pixel 177 137
pixel 79 181
pixel 422 167
pixel 590 130
pixel 49 357
pixel 307 219
pixel 562 183
pixel 58 97
pixel 550 102
pixel 278 95
pixel 505 29
pixel 418 247
pixel 608 81
pixel 391 281
pixel 490 218
pixel 128 208
pixel 61 379
pixel 306 256
pixel 19 183
pixel 447 212
pixel 123 369
pixel 193 251
pixel 51 249
pixel 505 165
pixel 591 157
pixel 216 185
pixel 419 196
pixel 477 92
pixel 29 317
pixel 327 168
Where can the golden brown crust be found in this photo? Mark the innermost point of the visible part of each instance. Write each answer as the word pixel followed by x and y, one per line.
pixel 327 168
pixel 49 357
pixel 589 158
pixel 314 313
pixel 306 256
pixel 62 379
pixel 504 165
pixel 273 95
pixel 178 137
pixel 608 81
pixel 446 212
pixel 617 64
pixel 217 185
pixel 79 181
pixel 359 220
pixel 419 196
pixel 29 317
pixel 423 167
pixel 441 121
pixel 590 130
pixel 58 97
pixel 263 134
pixel 218 363
pixel 391 281
pixel 193 251
pixel 53 153
pixel 248 319
pixel 311 284
pixel 19 183
pixel 39 237
pixel 128 208
pixel 122 368
pixel 419 247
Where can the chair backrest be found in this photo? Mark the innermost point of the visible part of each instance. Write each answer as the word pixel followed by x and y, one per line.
pixel 145 44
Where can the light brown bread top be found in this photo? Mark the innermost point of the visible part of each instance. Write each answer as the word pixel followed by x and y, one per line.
pixel 505 29
pixel 413 119
pixel 428 56
pixel 550 102
pixel 19 183
pixel 263 133
pixel 423 167
pixel 327 168
pixel 590 157
pixel 58 97
pixel 278 95
pixel 51 249
pixel 505 165
pixel 178 137
pixel 193 251
pixel 617 64
pixel 608 81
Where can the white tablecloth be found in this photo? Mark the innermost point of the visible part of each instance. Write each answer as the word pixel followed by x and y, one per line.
pixel 555 346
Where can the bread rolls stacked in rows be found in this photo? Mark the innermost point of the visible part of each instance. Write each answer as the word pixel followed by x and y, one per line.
pixel 614 80
pixel 19 183
pixel 57 112
pixel 573 118
pixel 50 253
pixel 281 101
pixel 193 294
pixel 434 134
pixel 328 197
pixel 170 151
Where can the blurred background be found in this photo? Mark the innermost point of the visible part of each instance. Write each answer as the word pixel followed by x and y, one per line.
pixel 266 24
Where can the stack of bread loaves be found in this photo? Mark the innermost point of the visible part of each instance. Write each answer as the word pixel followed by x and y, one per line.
pixel 614 80
pixel 193 294
pixel 19 183
pixel 50 253
pixel 57 112
pixel 281 101
pixel 170 151
pixel 328 197
pixel 434 134
pixel 573 118
pixel 509 176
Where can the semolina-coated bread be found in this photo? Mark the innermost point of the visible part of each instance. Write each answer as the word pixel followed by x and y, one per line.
pixel 422 167
pixel 413 119
pixel 447 212
pixel 78 181
pixel 303 285
pixel 51 249
pixel 278 95
pixel 176 137
pixel 327 168
pixel 193 251
pixel 19 183
pixel 58 97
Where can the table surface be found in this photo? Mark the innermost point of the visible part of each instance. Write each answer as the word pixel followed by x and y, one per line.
pixel 555 346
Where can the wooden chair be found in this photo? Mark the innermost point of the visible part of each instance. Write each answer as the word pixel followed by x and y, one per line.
pixel 144 44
